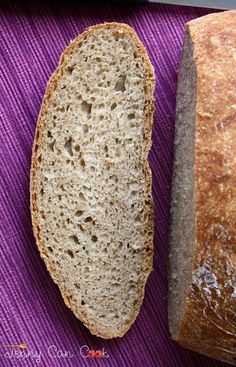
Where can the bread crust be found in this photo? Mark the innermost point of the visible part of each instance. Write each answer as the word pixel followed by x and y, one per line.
pixel 147 124
pixel 208 323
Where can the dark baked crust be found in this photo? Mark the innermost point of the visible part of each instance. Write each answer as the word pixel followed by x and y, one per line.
pixel 208 324
pixel 147 124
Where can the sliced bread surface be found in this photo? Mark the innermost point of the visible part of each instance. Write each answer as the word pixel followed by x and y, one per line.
pixel 91 199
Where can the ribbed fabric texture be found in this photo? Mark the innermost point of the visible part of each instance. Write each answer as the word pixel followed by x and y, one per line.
pixel 32 37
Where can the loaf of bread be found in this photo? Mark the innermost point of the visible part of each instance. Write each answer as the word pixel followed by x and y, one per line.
pixel 90 180
pixel 202 266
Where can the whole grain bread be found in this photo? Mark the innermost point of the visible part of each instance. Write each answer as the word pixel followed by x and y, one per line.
pixel 202 266
pixel 91 199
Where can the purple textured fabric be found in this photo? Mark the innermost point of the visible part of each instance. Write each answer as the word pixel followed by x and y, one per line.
pixel 32 37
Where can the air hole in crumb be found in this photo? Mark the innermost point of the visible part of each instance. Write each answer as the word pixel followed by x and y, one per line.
pixel 70 253
pixel 62 187
pixel 78 213
pixel 137 219
pixel 120 84
pixel 106 148
pixel 120 246
pixel 85 128
pixel 82 163
pixel 135 55
pixel 86 108
pixel 82 197
pixel 41 192
pixel 77 286
pixel 70 69
pixel 68 146
pixel 86 189
pixel 131 116
pixel 50 249
pixel 82 302
pixel 128 245
pixel 113 106
pixel 98 59
pixel 74 239
pixel 94 238
pixel 81 228
pixel 117 35
pixel 77 148
pixel 88 220
pixel 100 106
pixel 125 46
pixel 87 89
pixel 49 134
pixel 51 146
pixel 39 158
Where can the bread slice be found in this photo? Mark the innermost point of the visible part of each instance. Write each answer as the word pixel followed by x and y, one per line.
pixel 90 180
pixel 202 266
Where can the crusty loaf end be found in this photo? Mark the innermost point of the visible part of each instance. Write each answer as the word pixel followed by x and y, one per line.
pixel 202 271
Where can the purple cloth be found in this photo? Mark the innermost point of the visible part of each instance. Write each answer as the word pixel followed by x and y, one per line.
pixel 32 37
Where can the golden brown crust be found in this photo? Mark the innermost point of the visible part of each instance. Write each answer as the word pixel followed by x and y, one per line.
pixel 208 324
pixel 147 123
